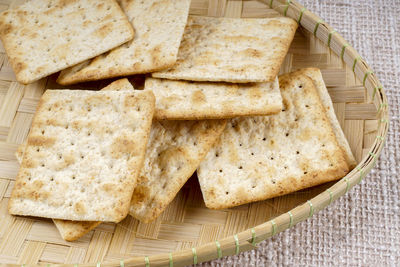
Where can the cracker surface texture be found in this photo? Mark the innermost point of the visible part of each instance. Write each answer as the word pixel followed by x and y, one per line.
pixel 263 157
pixel 316 76
pixel 42 37
pixel 183 100
pixel 174 151
pixel 83 155
pixel 232 50
pixel 158 24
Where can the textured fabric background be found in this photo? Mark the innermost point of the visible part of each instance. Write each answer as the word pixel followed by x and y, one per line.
pixel 362 228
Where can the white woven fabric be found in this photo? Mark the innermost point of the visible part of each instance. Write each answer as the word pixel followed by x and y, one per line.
pixel 362 228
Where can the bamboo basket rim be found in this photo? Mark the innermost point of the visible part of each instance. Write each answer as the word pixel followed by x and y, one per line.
pixel 248 239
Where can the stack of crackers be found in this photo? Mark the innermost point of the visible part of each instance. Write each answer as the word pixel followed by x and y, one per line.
pixel 212 102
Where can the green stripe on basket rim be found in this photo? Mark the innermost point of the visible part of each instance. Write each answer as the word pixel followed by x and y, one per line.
pixel 330 38
pixel 355 62
pixel 287 7
pixel 343 50
pixel 194 252
pixel 301 14
pixel 366 75
pixel 253 236
pixel 237 246
pixel 171 261
pixel 219 251
pixel 317 26
pixel 311 208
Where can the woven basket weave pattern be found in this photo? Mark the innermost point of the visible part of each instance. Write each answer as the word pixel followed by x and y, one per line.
pixel 192 232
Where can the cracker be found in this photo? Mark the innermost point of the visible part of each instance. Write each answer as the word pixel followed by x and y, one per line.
pixel 42 37
pixel 159 25
pixel 263 157
pixel 232 50
pixel 316 76
pixel 182 100
pixel 174 151
pixel 83 155
pixel 73 230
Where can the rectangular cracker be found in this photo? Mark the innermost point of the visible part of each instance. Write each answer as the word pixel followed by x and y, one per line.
pixel 263 157
pixel 42 37
pixel 183 100
pixel 232 50
pixel 73 230
pixel 316 76
pixel 174 151
pixel 159 26
pixel 83 155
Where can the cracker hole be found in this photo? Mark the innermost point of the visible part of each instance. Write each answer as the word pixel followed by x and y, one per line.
pixel 108 7
pixel 296 119
pixel 273 181
pixel 287 134
pixel 42 165
pixel 138 108
pixel 300 86
pixel 29 178
pixel 194 143
pixel 285 167
pixel 323 145
pixel 37 149
pixel 217 155
pixel 264 139
pixel 82 156
pixel 272 158
pixel 66 126
pixel 220 170
pixel 43 132
pixel 73 177
pixel 331 165
pixel 307 106
pixel 59 156
pixel 305 172
pixel 72 143
pixel 254 186
pixel 226 192
pixel 89 134
pixel 164 186
pixel 240 144
pixel 252 153
pixel 297 152
pixel 52 179
pixel 240 167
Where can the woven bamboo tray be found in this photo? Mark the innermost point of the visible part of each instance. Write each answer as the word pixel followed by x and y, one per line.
pixel 187 232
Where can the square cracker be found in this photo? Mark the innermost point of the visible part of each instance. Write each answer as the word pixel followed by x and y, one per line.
pixel 232 50
pixel 42 37
pixel 83 155
pixel 73 230
pixel 183 100
pixel 159 26
pixel 174 151
pixel 263 157
pixel 316 76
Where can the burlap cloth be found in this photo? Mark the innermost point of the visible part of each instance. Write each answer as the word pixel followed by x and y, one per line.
pixel 362 228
